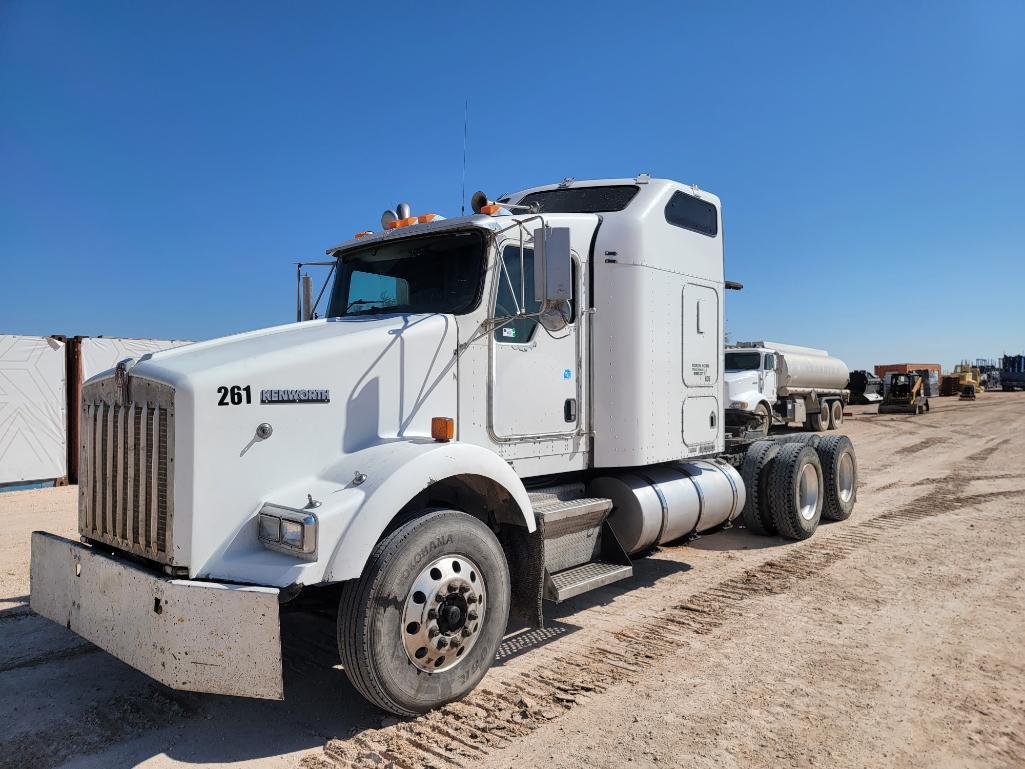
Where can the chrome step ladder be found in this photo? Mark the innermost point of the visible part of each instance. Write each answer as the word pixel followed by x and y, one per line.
pixel 581 552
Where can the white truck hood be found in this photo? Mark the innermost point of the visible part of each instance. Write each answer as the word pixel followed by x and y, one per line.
pixel 741 386
pixel 385 378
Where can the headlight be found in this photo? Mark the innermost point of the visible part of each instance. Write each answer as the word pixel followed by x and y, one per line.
pixel 288 531
pixel 742 405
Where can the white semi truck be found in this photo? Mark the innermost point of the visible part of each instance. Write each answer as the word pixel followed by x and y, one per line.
pixel 498 409
pixel 769 383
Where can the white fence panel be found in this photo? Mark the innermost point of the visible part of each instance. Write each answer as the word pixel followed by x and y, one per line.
pixel 100 353
pixel 33 400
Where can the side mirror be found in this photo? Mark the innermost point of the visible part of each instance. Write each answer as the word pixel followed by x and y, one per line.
pixel 553 275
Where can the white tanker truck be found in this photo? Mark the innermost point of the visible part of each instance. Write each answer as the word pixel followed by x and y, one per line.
pixel 769 383
pixel 498 409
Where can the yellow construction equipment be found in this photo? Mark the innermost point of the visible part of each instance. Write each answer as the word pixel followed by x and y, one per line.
pixel 905 395
pixel 968 374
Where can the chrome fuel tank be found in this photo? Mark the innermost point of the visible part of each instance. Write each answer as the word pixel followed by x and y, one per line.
pixel 654 505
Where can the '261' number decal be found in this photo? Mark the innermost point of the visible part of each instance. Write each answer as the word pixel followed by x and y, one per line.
pixel 234 395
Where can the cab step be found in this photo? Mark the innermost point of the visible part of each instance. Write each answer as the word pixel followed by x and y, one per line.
pixel 580 550
pixel 580 579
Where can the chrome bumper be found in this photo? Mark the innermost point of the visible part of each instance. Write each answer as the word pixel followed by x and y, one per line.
pixel 195 636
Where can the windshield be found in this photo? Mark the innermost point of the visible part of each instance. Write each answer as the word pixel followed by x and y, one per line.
pixel 743 361
pixel 433 273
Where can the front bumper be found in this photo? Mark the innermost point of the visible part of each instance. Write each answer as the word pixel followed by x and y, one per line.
pixel 196 636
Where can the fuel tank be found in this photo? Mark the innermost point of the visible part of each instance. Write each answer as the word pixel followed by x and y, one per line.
pixel 655 505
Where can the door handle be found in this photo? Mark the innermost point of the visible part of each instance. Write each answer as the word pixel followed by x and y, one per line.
pixel 569 410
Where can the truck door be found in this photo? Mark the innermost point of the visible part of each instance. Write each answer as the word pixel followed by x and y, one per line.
pixel 702 342
pixel 535 387
pixel 767 378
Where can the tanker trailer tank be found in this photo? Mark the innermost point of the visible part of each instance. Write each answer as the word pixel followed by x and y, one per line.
pixel 805 368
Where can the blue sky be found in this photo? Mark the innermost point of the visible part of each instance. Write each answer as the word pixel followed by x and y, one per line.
pixel 162 165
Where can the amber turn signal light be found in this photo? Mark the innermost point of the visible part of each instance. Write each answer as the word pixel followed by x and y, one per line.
pixel 443 428
pixel 491 209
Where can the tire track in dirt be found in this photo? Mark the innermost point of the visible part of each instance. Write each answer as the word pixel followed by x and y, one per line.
pixel 52 656
pixel 914 448
pixel 114 720
pixel 490 718
pixel 986 453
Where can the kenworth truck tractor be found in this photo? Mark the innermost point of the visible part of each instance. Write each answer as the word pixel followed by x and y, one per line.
pixel 497 410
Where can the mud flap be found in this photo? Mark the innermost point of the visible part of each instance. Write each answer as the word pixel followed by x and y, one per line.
pixel 525 553
pixel 189 635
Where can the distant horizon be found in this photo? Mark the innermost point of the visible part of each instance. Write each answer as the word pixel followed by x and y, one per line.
pixel 166 170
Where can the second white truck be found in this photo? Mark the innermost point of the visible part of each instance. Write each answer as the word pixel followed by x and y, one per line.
pixel 769 383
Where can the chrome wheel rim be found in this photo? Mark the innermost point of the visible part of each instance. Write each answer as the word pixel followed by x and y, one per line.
pixel 443 613
pixel 808 492
pixel 845 477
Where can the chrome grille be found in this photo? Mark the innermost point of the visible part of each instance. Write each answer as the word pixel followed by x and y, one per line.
pixel 126 481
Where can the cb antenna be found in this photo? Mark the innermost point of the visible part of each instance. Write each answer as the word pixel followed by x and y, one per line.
pixel 462 195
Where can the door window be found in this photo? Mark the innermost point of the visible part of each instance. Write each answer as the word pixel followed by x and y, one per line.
pixel 518 277
pixel 770 362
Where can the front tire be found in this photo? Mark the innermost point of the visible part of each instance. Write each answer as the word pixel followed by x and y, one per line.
pixel 765 419
pixel 421 626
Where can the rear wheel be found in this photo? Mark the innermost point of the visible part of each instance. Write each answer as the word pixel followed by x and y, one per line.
pixel 754 472
pixel 811 439
pixel 839 476
pixel 835 415
pixel 819 421
pixel 421 626
pixel 795 491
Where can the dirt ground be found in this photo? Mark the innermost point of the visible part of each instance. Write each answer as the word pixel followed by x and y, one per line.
pixel 893 639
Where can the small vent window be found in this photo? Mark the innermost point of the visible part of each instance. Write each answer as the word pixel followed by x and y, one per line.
pixel 689 212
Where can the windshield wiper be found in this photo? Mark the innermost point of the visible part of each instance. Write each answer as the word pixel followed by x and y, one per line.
pixel 350 305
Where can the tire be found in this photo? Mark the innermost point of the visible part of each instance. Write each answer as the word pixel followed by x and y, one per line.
pixel 763 411
pixel 795 491
pixel 819 422
pixel 374 613
pixel 839 476
pixel 754 472
pixel 835 414
pixel 809 439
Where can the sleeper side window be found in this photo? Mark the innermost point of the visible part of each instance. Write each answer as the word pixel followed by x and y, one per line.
pixel 692 213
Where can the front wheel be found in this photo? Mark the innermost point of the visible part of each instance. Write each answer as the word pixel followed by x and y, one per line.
pixel 764 419
pixel 421 626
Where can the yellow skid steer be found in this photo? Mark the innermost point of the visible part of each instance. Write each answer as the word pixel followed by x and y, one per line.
pixel 905 395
